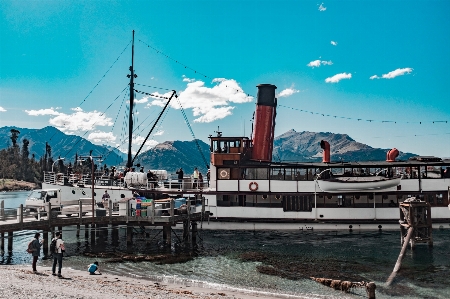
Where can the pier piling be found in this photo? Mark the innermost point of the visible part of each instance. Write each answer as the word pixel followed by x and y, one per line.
pixel 2 243
pixel 10 242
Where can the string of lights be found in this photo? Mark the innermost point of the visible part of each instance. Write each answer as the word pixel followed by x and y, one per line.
pixel 153 86
pixel 361 119
pixel 104 75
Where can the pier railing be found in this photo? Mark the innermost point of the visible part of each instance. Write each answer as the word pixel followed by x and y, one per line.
pixel 46 215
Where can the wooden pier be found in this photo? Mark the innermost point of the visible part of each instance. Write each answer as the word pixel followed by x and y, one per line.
pixel 162 213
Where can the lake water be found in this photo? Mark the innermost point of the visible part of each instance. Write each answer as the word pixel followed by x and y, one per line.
pixel 278 263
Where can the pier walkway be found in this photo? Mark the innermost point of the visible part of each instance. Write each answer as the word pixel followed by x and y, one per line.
pixel 160 213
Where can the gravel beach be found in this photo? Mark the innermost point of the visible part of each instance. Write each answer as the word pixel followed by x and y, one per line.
pixel 21 282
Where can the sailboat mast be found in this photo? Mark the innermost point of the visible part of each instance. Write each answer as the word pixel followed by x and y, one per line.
pixel 130 120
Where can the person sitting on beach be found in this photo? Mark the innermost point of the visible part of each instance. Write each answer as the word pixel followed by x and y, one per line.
pixel 93 269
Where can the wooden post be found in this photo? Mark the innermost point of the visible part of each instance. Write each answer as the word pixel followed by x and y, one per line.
pixel 153 211
pixel 2 242
pixel 110 210
pixel 2 210
pixel 129 234
pixel 400 257
pixel 86 231
pixel 115 235
pixel 194 233
pixel 172 209
pixel 10 242
pixel 185 230
pixel 370 290
pixel 49 213
pixel 45 242
pixel 80 214
pixel 167 235
pixel 78 231
pixel 20 214
pixel 93 232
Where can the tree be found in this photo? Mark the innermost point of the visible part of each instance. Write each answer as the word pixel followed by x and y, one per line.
pixel 14 135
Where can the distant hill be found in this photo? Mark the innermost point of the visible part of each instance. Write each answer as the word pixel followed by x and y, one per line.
pixel 305 146
pixel 62 145
pixel 171 155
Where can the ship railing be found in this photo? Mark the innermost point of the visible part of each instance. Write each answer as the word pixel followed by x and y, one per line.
pixel 7 213
pixel 186 184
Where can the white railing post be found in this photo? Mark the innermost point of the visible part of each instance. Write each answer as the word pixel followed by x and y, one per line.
pixel 80 206
pixel 20 214
pixel 2 210
pixel 49 211
pixel 152 211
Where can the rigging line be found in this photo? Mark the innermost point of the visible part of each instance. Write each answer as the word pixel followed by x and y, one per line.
pixel 415 135
pixel 148 135
pixel 153 86
pixel 123 139
pixel 104 75
pixel 192 133
pixel 368 120
pixel 150 94
pixel 95 122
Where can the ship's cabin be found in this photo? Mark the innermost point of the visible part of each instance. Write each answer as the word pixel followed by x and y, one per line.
pixel 230 150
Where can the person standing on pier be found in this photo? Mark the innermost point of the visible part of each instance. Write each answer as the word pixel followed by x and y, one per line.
pixel 58 254
pixel 195 177
pixel 105 199
pixel 36 245
pixel 180 178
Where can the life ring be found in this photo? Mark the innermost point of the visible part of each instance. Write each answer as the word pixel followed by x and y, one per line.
pixel 223 173
pixel 253 186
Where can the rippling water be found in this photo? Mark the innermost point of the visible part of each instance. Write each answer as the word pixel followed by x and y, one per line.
pixel 270 262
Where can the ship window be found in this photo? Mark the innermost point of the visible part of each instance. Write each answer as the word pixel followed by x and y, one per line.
pixel 257 174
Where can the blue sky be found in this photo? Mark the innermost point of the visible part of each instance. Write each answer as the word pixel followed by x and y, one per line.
pixel 375 70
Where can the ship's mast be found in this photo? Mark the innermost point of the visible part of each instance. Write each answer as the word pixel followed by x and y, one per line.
pixel 130 120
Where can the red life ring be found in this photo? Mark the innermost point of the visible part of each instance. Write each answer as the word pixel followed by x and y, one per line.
pixel 253 186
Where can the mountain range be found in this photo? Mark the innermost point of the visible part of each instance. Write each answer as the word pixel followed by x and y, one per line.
pixel 171 155
pixel 62 145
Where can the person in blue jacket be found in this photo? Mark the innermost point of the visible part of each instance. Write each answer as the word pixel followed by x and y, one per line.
pixel 93 269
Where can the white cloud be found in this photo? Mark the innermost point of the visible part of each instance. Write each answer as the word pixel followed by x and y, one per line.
pixel 338 77
pixel 159 133
pixel 318 62
pixel 101 137
pixel 334 43
pixel 2 109
pixel 397 72
pixel 141 101
pixel 48 111
pixel 186 79
pixel 208 103
pixel 148 144
pixel 322 7
pixel 77 121
pixel 393 74
pixel 288 92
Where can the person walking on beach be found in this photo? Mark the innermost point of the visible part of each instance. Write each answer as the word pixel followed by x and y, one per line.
pixel 58 254
pixel 93 269
pixel 36 247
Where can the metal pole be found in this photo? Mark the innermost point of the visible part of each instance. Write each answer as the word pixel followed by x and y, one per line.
pixel 92 181
pixel 130 118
